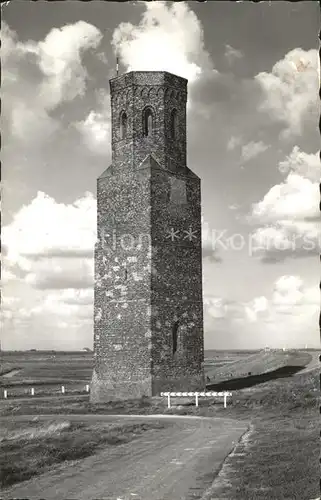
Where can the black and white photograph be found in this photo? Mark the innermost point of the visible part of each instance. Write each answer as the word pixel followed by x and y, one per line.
pixel 160 250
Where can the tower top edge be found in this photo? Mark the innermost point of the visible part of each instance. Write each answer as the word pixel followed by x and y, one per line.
pixel 147 78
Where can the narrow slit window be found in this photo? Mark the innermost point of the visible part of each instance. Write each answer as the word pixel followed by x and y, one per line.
pixel 175 336
pixel 174 124
pixel 147 122
pixel 126 274
pixel 123 125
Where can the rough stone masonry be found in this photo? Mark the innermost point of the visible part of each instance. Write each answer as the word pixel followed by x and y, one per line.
pixel 148 305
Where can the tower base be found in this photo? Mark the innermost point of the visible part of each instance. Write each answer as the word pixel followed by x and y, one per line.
pixel 188 383
pixel 104 390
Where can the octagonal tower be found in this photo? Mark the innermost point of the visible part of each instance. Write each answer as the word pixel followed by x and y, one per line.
pixel 148 307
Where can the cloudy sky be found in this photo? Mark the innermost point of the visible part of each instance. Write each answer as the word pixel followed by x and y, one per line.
pixel 252 138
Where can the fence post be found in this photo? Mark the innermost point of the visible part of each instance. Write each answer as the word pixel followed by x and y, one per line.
pixel 63 389
pixel 196 399
pixel 5 394
pixel 87 388
pixel 32 391
pixel 225 399
pixel 168 400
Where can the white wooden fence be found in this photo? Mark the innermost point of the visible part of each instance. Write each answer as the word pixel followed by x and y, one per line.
pixel 209 394
pixel 32 391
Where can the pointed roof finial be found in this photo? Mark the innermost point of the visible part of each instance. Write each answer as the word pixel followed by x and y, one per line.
pixel 117 64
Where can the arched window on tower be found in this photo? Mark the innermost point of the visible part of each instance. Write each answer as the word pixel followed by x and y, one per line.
pixel 123 125
pixel 175 336
pixel 174 124
pixel 148 122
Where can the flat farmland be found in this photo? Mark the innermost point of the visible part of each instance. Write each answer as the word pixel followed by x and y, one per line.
pixel 46 368
pixel 47 371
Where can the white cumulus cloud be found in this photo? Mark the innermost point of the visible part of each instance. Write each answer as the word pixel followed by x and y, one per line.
pixel 58 76
pixel 49 272
pixel 96 127
pixel 287 316
pixel 232 54
pixel 253 149
pixel 45 229
pixel 234 142
pixel 169 38
pixel 294 198
pixel 291 89
pixel 289 212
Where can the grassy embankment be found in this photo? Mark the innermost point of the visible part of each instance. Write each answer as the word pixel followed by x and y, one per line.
pixel 279 457
pixel 255 364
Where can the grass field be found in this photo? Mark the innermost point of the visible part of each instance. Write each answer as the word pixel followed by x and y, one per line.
pixel 45 367
pixel 279 458
pixel 33 448
pixel 47 371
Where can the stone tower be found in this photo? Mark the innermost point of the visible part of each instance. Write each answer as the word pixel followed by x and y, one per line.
pixel 148 306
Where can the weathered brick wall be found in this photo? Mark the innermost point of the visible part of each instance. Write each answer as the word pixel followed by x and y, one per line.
pixel 146 278
pixel 177 284
pixel 122 289
pixel 162 92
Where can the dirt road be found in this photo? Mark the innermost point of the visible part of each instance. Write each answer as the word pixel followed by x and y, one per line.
pixel 178 462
